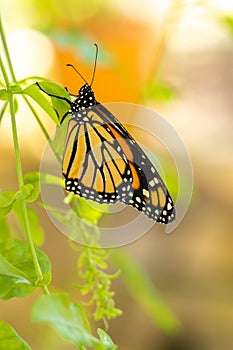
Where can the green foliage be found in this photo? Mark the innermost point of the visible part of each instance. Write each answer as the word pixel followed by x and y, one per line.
pixel 12 200
pixel 91 266
pixel 10 340
pixel 24 268
pixel 7 199
pixel 17 273
pixel 4 230
pixel 228 23
pixel 70 321
pixel 141 287
pixel 36 94
pixel 92 213
pixel 106 340
pixel 80 45
pixel 160 91
pixel 3 95
pixel 35 227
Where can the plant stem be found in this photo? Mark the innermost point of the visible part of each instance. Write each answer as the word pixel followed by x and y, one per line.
pixel 18 159
pixel 5 48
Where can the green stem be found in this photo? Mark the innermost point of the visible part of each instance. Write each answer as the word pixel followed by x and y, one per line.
pixel 37 119
pixel 5 48
pixel 18 158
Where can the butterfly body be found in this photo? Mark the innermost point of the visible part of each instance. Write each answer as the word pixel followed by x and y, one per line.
pixel 102 162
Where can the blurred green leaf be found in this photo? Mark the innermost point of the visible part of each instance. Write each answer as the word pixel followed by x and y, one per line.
pixel 228 22
pixel 37 231
pixel 81 45
pixel 34 194
pixel 58 142
pixel 32 178
pixel 51 179
pixel 3 95
pixel 36 177
pixel 90 213
pixel 7 199
pixel 37 95
pixel 17 272
pixel 3 110
pixel 159 91
pixel 16 105
pixel 67 318
pixel 4 230
pixel 15 88
pixel 106 340
pixel 25 192
pixel 10 340
pixel 59 105
pixel 142 289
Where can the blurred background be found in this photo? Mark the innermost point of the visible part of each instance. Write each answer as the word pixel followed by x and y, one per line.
pixel 174 56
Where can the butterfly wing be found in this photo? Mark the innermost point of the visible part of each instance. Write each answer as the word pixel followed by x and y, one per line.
pixel 102 162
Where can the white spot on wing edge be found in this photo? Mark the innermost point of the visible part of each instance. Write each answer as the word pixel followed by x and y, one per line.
pixel 169 206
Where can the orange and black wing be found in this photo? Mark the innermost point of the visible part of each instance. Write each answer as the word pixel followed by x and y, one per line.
pixel 102 162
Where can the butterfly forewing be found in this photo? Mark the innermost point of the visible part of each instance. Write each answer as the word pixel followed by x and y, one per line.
pixel 102 162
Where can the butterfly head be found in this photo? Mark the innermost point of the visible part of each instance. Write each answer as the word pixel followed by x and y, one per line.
pixel 85 99
pixel 85 90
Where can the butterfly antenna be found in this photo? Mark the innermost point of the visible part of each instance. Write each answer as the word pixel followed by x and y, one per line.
pixel 71 65
pixel 94 70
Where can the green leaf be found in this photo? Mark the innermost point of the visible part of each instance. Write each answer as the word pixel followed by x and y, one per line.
pixel 59 105
pixel 36 178
pixel 7 199
pixel 32 177
pixel 91 213
pixel 33 180
pixel 51 179
pixel 10 340
pixel 142 289
pixel 106 340
pixel 58 142
pixel 25 192
pixel 4 230
pixel 17 272
pixel 81 45
pixel 228 22
pixel 37 231
pixel 34 92
pixel 159 91
pixel 3 95
pixel 67 318
pixel 15 88
pixel 3 110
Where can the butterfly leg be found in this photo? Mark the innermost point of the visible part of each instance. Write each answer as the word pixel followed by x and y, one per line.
pixel 64 116
pixel 66 88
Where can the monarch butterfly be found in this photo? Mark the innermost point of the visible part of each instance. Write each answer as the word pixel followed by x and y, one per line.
pixel 102 161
